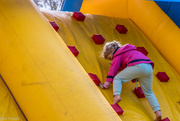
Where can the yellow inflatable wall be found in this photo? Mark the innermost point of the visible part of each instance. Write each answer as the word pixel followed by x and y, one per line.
pixel 156 25
pixel 47 81
pixel 50 84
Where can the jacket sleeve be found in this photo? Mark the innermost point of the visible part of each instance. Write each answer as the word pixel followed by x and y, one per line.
pixel 115 66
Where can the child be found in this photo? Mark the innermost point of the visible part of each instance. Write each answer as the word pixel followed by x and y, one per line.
pixel 131 64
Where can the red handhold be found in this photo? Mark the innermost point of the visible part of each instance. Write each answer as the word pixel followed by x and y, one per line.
pixel 98 39
pixel 121 29
pixel 73 50
pixel 118 109
pixel 162 76
pixel 166 119
pixel 134 80
pixel 54 25
pixel 94 78
pixel 79 16
pixel 142 50
pixel 139 93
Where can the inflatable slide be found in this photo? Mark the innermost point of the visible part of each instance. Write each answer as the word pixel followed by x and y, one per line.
pixel 42 80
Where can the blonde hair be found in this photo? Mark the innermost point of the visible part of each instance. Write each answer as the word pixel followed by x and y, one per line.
pixel 109 47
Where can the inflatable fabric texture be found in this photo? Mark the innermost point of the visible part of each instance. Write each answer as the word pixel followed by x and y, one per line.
pixel 50 84
pixel 79 34
pixel 46 80
pixel 9 110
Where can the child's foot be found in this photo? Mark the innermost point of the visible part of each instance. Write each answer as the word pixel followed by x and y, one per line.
pixel 117 99
pixel 158 116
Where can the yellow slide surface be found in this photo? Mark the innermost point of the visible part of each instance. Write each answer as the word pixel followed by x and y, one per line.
pixel 46 80
pixel 50 84
pixel 79 34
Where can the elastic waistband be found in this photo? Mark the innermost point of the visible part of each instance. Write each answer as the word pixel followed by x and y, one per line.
pixel 137 60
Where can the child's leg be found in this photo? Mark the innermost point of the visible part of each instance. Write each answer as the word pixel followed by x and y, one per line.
pixel 125 75
pixel 117 87
pixel 146 84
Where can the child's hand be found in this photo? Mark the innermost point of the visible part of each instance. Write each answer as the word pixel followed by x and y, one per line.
pixel 105 85
pixel 101 85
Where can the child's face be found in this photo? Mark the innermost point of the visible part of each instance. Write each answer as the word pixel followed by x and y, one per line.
pixel 109 57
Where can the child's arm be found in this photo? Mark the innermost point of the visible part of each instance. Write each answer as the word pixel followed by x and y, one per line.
pixel 112 72
pixel 115 66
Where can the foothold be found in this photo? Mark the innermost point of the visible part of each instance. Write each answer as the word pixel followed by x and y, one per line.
pixel 98 39
pixel 121 29
pixel 79 16
pixel 166 119
pixel 94 78
pixel 134 80
pixel 162 76
pixel 54 25
pixel 178 102
pixel 142 50
pixel 139 93
pixel 73 50
pixel 118 109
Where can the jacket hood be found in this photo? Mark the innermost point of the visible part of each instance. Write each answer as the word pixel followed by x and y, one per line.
pixel 124 49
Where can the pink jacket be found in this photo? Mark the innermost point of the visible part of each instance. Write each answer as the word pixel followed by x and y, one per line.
pixel 124 57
